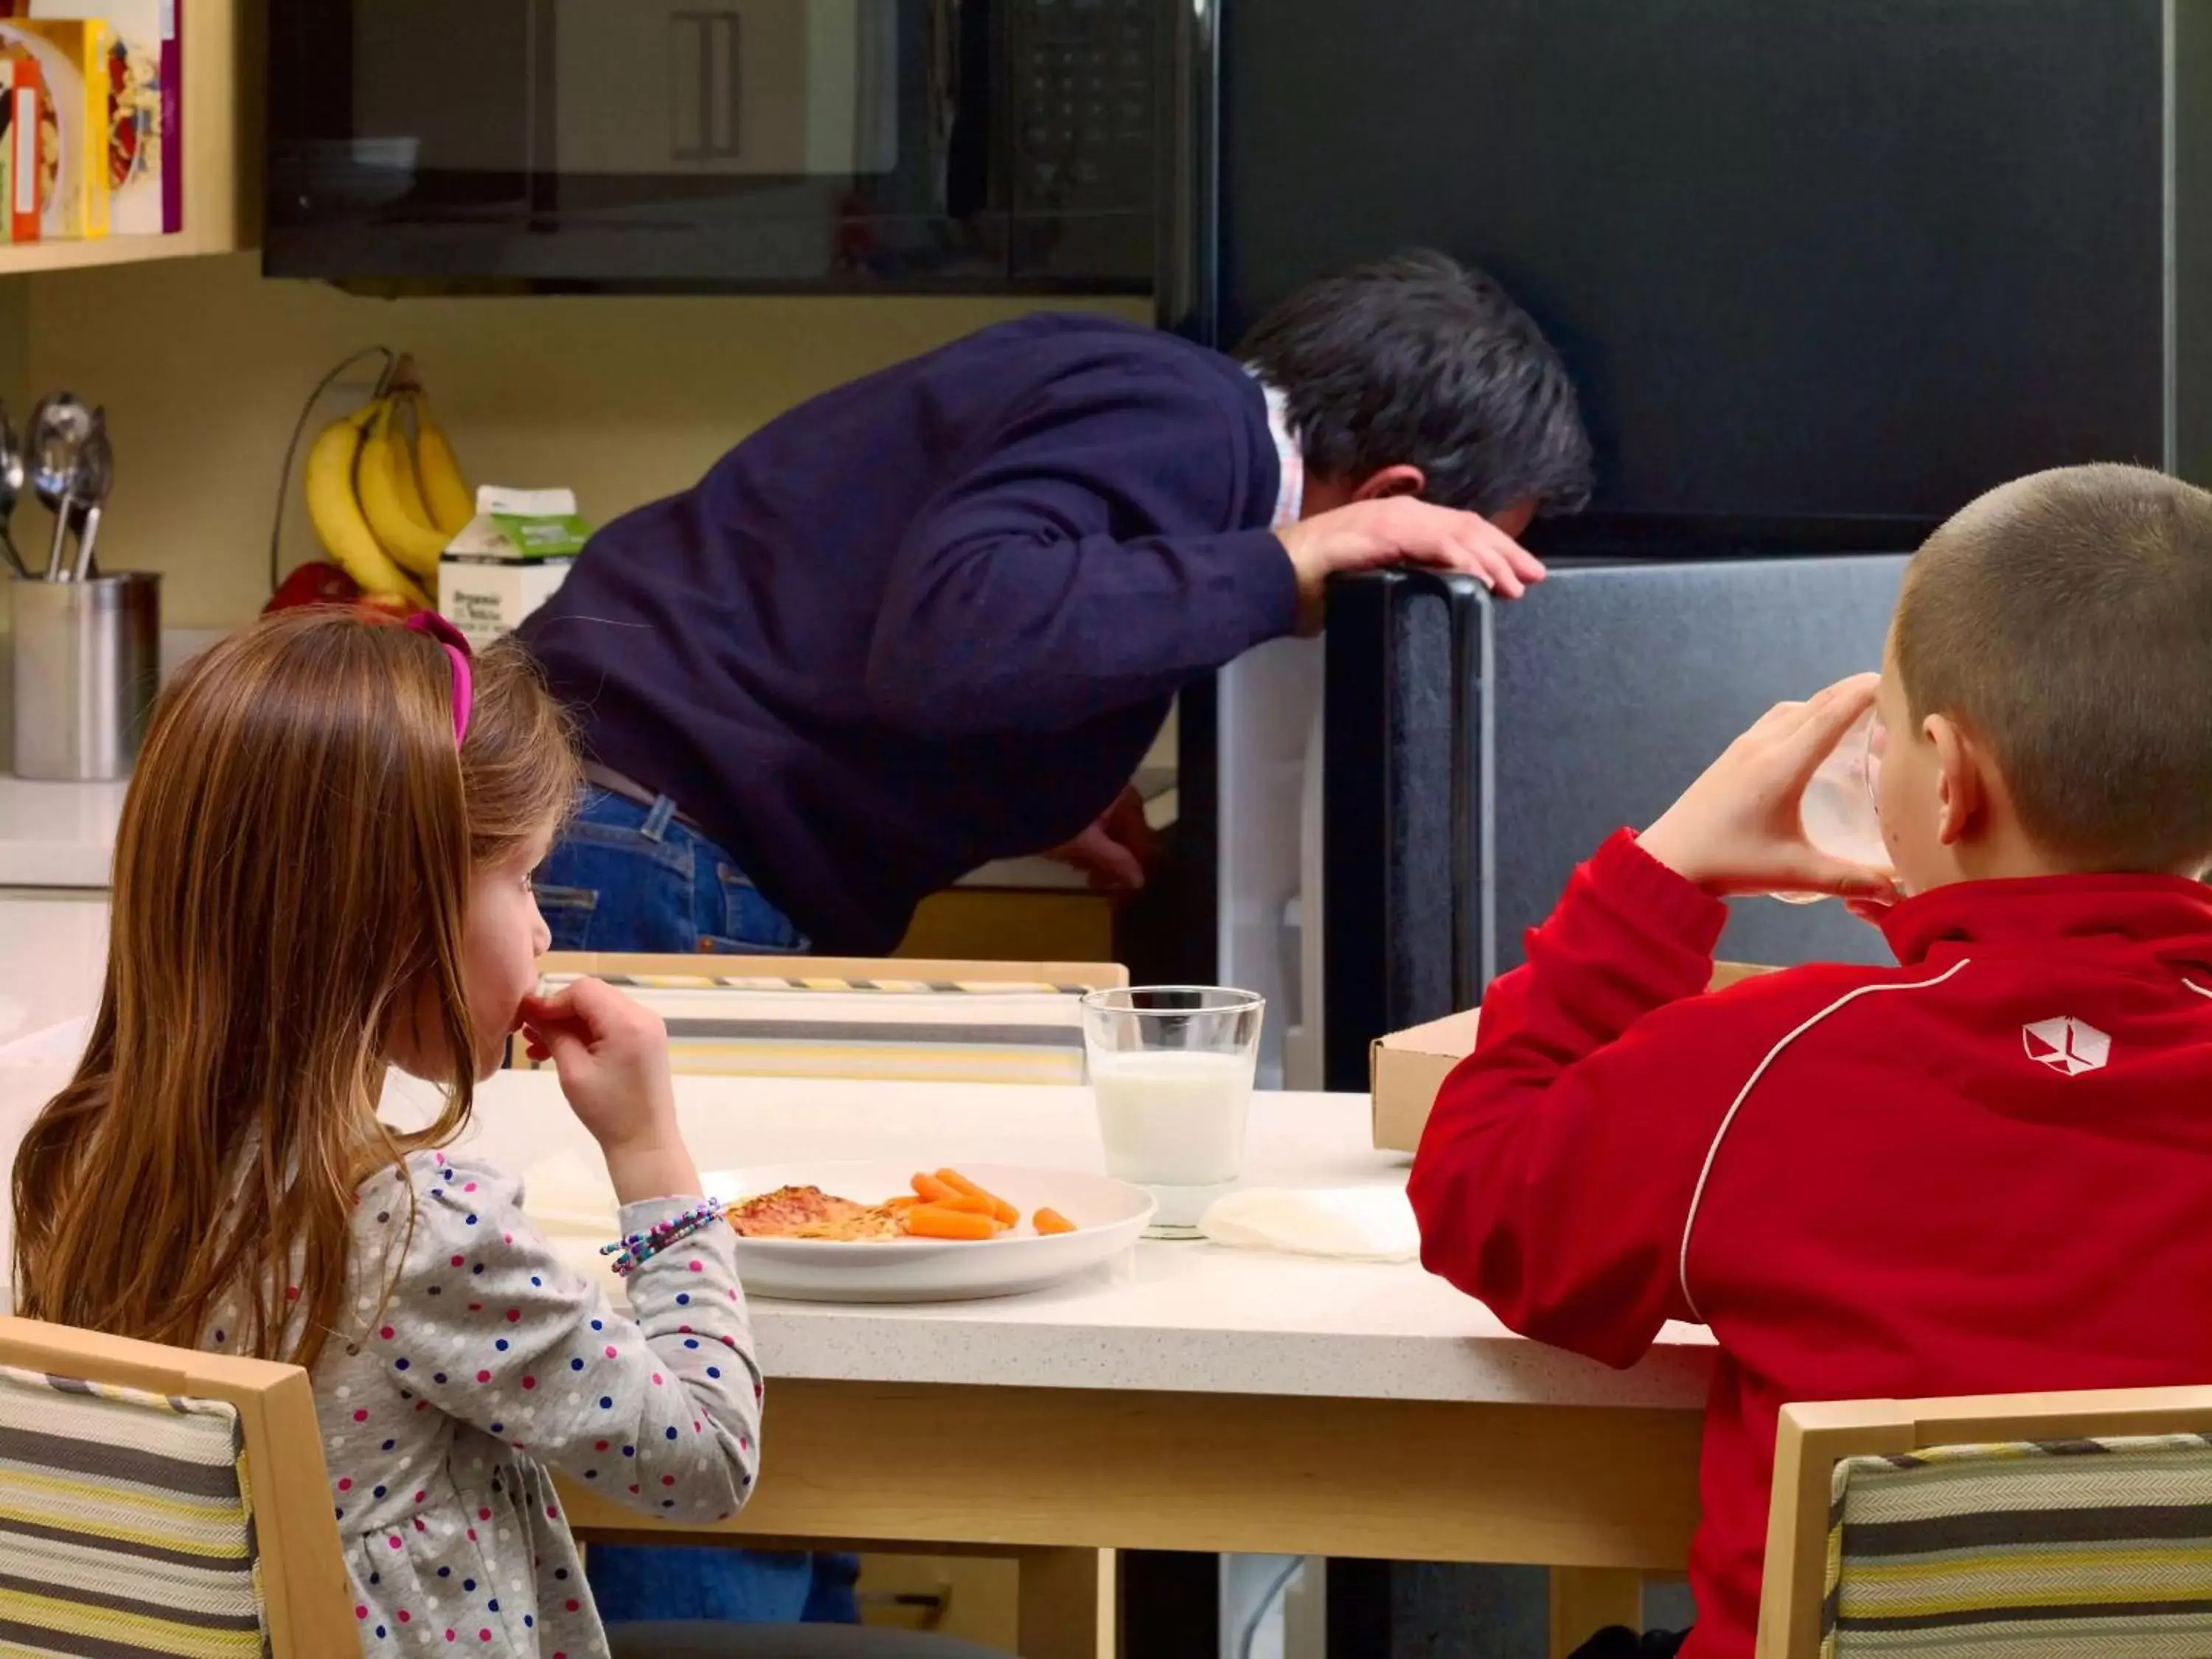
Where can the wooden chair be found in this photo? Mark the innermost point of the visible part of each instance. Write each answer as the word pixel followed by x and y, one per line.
pixel 880 1020
pixel 164 1500
pixel 2058 1524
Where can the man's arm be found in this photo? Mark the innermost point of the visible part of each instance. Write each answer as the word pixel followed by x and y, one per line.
pixel 1040 589
pixel 1037 591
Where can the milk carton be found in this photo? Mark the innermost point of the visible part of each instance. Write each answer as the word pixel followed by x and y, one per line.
pixel 509 559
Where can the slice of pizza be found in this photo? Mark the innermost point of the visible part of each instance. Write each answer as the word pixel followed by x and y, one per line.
pixel 810 1213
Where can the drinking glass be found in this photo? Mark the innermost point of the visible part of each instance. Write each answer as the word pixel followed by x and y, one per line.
pixel 1172 1067
pixel 1841 806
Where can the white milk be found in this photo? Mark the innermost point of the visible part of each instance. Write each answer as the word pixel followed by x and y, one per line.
pixel 1173 1120
pixel 1838 807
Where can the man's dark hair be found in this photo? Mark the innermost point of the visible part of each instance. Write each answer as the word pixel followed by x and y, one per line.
pixel 2065 619
pixel 1420 361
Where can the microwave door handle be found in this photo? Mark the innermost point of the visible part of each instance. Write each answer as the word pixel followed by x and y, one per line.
pixel 969 146
pixel 1187 287
pixel 943 21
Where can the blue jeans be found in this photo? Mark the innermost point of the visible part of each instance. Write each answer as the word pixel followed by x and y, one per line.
pixel 632 878
pixel 744 1586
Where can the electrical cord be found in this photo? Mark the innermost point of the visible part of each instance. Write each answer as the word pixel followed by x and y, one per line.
pixel 1249 1637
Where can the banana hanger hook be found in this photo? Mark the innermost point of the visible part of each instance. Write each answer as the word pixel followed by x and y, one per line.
pixel 394 365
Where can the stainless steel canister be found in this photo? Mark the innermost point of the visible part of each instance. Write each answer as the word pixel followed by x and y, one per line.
pixel 88 664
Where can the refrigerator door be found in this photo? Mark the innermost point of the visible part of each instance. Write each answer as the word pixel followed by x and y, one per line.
pixel 1475 752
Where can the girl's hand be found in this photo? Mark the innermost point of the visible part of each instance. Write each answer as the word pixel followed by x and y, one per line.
pixel 1736 829
pixel 611 1053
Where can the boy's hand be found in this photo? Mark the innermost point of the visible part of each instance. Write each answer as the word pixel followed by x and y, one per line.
pixel 1736 829
pixel 612 1056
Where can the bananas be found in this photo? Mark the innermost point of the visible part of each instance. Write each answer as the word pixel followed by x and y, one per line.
pixel 339 522
pixel 384 509
pixel 413 542
pixel 403 476
pixel 452 503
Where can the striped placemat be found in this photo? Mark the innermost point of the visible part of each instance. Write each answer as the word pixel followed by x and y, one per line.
pixel 875 987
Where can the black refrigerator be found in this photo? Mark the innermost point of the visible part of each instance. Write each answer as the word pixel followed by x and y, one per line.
pixel 1821 273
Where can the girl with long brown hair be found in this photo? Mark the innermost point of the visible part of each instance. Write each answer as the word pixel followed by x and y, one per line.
pixel 322 870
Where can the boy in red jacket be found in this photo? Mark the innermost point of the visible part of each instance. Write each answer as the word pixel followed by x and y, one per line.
pixel 1986 1169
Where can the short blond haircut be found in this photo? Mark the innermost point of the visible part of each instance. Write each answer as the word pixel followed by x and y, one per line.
pixel 2065 620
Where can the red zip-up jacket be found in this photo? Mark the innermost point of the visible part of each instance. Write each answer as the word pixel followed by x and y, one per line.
pixel 1987 1170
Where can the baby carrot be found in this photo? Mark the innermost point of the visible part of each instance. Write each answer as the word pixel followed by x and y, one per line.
pixel 1048 1222
pixel 935 1191
pixel 903 1201
pixel 960 1183
pixel 935 1221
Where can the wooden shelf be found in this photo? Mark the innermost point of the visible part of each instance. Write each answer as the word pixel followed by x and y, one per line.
pixel 106 251
pixel 222 153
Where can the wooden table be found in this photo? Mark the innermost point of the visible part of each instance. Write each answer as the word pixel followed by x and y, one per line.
pixel 1192 1398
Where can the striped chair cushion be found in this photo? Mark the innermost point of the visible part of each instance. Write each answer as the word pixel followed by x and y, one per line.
pixel 127 1524
pixel 911 1031
pixel 2053 1547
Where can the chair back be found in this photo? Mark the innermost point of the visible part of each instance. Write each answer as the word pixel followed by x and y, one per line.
pixel 157 1500
pixel 936 1022
pixel 2022 1524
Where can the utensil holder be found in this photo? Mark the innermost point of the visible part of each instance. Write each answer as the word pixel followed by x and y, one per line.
pixel 88 664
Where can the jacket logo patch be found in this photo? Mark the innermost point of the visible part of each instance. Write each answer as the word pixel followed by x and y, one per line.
pixel 2070 1046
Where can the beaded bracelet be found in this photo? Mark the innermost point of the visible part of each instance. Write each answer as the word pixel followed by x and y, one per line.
pixel 631 1253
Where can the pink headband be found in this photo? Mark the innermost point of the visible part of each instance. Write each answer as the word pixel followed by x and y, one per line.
pixel 429 622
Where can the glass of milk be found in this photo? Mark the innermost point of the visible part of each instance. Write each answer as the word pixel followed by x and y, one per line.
pixel 1838 808
pixel 1172 1069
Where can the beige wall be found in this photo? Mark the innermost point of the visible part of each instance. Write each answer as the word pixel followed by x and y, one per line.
pixel 203 365
pixel 15 345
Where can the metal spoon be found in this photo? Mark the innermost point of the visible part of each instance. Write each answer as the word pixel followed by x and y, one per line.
pixel 58 427
pixel 11 486
pixel 90 480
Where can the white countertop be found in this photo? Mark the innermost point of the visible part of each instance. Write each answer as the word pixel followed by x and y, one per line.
pixel 54 955
pixel 57 835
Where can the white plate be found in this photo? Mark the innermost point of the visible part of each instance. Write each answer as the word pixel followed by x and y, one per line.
pixel 1109 1216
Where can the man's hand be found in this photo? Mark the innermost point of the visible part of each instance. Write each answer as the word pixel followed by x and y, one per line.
pixel 1736 829
pixel 1401 530
pixel 1118 851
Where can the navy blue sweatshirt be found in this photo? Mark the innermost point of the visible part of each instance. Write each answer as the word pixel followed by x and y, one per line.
pixel 931 618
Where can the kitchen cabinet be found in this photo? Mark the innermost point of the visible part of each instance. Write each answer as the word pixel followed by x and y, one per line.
pixel 222 153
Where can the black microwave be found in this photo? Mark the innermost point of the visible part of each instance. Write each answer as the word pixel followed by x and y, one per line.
pixel 720 145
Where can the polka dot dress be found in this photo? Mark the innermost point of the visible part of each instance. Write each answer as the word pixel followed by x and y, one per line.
pixel 490 1364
